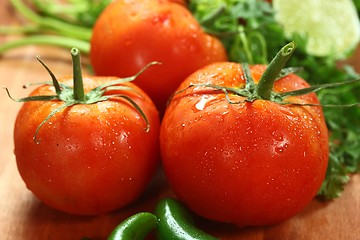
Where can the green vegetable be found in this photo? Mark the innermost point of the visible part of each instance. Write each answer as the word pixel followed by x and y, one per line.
pixel 66 24
pixel 171 221
pixel 135 227
pixel 175 222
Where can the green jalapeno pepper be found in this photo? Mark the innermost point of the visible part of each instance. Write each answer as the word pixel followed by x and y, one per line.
pixel 176 222
pixel 135 227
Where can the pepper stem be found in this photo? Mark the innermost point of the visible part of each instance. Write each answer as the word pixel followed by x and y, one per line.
pixel 267 80
pixel 79 93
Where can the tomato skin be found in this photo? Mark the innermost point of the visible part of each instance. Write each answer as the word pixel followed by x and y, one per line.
pixel 251 164
pixel 130 34
pixel 90 159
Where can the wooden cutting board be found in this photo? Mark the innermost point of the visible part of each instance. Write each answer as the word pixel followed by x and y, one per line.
pixel 22 216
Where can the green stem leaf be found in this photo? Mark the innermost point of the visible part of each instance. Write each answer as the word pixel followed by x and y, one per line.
pixel 52 113
pixel 267 80
pixel 316 88
pixel 79 93
pixel 32 98
pixel 53 78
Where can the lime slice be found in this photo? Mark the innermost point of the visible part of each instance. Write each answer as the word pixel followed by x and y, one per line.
pixel 331 27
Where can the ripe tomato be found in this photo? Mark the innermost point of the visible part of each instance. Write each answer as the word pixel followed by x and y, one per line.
pixel 90 159
pixel 130 34
pixel 249 163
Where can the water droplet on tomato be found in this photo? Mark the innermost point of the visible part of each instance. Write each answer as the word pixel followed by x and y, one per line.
pixel 72 147
pixel 248 131
pixel 228 153
pixel 203 102
pixel 277 136
pixel 289 114
pixel 279 149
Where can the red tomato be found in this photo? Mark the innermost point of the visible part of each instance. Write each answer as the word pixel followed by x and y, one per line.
pixel 130 34
pixel 90 159
pixel 250 163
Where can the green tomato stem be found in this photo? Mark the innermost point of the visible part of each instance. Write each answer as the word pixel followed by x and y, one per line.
pixel 60 41
pixel 79 93
pixel 267 80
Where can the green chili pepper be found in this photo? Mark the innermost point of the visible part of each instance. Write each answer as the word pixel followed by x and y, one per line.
pixel 176 222
pixel 135 227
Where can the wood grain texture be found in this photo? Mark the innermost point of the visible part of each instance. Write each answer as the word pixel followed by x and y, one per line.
pixel 22 216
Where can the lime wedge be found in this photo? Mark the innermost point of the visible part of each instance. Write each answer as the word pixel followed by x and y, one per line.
pixel 330 27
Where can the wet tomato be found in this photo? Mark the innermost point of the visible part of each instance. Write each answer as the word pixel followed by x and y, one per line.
pixel 130 34
pixel 239 160
pixel 87 158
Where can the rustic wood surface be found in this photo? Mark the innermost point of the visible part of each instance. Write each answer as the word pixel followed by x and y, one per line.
pixel 22 216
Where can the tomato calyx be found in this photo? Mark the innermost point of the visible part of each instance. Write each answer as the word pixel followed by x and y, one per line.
pixel 76 95
pixel 263 90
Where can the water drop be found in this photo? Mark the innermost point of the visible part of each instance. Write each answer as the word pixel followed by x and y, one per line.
pixel 203 102
pixel 279 149
pixel 277 136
